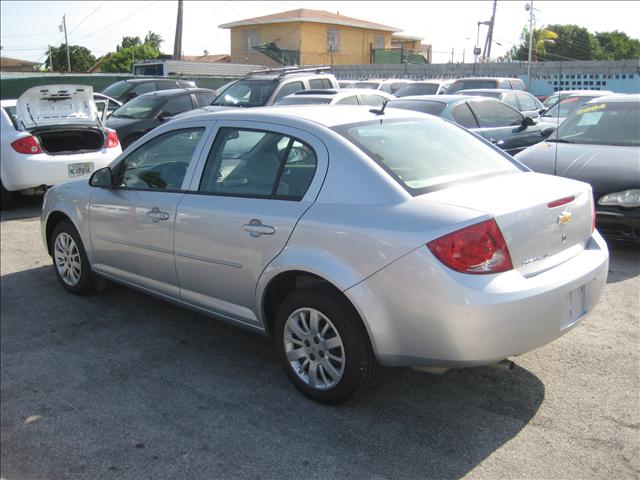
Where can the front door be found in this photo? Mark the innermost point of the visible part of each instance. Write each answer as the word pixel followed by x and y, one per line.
pixel 254 186
pixel 132 224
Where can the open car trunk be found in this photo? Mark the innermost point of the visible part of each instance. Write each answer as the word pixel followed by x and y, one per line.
pixel 65 139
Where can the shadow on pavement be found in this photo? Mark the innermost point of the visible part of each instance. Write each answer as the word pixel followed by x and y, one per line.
pixel 624 261
pixel 125 385
pixel 25 207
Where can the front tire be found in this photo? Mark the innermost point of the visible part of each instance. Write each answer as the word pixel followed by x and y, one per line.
pixel 70 260
pixel 323 346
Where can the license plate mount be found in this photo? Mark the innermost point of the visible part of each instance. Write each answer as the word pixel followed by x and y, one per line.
pixel 577 306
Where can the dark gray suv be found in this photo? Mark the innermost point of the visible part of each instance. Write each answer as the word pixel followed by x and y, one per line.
pixel 125 90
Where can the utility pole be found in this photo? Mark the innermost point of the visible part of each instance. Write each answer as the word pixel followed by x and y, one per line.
pixel 451 54
pixel 50 59
pixel 529 6
pixel 489 40
pixel 177 44
pixel 66 41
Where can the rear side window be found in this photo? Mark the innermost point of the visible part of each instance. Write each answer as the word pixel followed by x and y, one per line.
pixel 254 163
pixel 421 154
pixel 517 84
pixel 177 105
pixel 144 88
pixel 424 106
pixel 527 102
pixel 205 98
pixel 372 100
pixel 352 100
pixel 462 115
pixel 288 89
pixel 505 84
pixel 510 99
pixel 161 163
pixel 495 114
pixel 166 85
pixel 320 83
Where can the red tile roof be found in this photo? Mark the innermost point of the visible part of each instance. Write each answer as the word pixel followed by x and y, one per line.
pixel 314 16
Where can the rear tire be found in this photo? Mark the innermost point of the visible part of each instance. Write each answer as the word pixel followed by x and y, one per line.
pixel 7 198
pixel 70 260
pixel 323 346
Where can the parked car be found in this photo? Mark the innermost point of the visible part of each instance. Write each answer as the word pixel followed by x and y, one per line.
pixel 555 97
pixel 599 144
pixel 421 246
pixel 469 83
pixel 144 113
pixel 492 119
pixel 266 87
pixel 51 134
pixel 105 105
pixel 347 96
pixel 125 90
pixel 346 83
pixel 524 102
pixel 558 113
pixel 390 85
pixel 424 87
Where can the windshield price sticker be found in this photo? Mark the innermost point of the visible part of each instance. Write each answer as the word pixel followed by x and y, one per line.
pixel 593 108
pixel 590 118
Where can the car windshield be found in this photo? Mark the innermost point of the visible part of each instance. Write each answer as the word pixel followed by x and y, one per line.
pixel 247 93
pixel 421 154
pixel 424 106
pixel 417 89
pixel 117 89
pixel 470 84
pixel 567 106
pixel 370 85
pixel 299 100
pixel 140 107
pixel 614 123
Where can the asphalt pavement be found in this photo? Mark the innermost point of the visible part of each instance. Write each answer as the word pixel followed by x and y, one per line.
pixel 125 386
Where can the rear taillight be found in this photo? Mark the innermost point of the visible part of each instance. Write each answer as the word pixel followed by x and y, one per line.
pixel 27 145
pixel 479 248
pixel 112 139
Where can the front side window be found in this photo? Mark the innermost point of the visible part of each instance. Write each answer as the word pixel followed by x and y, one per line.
pixel 527 102
pixel 205 99
pixel 352 100
pixel 511 100
pixel 333 40
pixel 372 100
pixel 141 107
pixel 288 89
pixel 161 163
pixel 602 124
pixel 462 115
pixel 247 93
pixel 316 83
pixel 144 88
pixel 421 154
pixel 424 106
pixel 177 105
pixel 256 163
pixel 492 114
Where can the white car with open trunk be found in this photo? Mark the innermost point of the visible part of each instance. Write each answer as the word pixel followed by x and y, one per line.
pixel 51 134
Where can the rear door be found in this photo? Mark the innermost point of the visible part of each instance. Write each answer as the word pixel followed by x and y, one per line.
pixel 257 180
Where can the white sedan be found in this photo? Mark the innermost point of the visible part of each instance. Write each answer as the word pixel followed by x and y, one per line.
pixel 51 134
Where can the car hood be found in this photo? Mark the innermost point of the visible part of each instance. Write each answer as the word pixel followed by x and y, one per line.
pixel 57 105
pixel 608 168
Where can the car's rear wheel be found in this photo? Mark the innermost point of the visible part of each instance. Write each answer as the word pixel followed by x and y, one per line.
pixel 323 346
pixel 70 260
pixel 7 198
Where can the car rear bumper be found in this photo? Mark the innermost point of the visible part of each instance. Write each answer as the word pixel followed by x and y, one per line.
pixel 621 224
pixel 420 313
pixel 23 172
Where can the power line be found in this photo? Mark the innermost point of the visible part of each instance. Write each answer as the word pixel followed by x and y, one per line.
pixel 86 18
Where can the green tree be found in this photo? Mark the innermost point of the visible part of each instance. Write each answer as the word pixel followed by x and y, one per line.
pixel 542 37
pixel 573 42
pixel 153 39
pixel 618 46
pixel 81 58
pixel 122 60
pixel 128 42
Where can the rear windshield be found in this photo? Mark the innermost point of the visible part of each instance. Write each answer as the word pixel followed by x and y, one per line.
pixel 469 84
pixel 614 123
pixel 418 89
pixel 303 101
pixel 247 93
pixel 424 106
pixel 144 106
pixel 117 89
pixel 421 154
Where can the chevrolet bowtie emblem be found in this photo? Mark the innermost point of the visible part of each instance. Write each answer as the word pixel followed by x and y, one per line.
pixel 564 218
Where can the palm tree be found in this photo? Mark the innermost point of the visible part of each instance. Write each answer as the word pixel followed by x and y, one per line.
pixel 541 38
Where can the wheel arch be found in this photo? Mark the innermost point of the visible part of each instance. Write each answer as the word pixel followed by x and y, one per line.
pixel 53 220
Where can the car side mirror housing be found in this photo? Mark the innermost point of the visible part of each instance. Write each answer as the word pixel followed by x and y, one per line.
pixel 165 117
pixel 547 131
pixel 101 178
pixel 528 122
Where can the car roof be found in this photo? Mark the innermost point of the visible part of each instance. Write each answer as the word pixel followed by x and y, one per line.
pixel 332 116
pixel 590 93
pixel 491 90
pixel 337 92
pixel 446 98
pixel 488 78
pixel 617 98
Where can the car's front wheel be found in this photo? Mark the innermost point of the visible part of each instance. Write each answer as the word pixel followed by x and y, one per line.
pixel 323 346
pixel 70 260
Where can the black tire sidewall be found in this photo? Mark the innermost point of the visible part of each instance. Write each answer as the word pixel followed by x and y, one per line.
pixel 85 285
pixel 358 354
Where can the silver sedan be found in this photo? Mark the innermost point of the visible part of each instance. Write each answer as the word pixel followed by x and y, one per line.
pixel 354 237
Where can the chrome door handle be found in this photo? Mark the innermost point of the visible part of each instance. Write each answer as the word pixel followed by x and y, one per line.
pixel 155 214
pixel 256 228
pixel 495 141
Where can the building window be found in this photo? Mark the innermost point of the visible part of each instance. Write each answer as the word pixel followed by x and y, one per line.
pixel 379 41
pixel 333 40
pixel 251 39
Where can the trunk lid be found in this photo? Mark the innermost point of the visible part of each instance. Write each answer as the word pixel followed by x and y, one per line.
pixel 57 105
pixel 538 234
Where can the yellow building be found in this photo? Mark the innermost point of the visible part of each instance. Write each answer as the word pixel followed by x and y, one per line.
pixel 307 37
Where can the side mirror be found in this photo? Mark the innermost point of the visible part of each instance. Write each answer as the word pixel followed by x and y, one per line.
pixel 542 110
pixel 131 95
pixel 547 131
pixel 101 178
pixel 528 122
pixel 164 117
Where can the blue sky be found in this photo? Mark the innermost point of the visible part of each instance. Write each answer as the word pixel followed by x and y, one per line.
pixel 28 27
